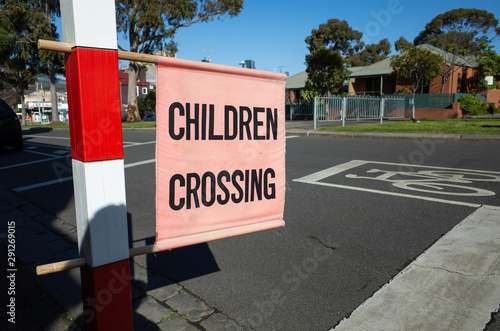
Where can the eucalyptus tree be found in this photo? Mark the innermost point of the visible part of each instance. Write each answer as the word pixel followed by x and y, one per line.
pixel 372 53
pixel 330 46
pixel 337 35
pixel 150 25
pixel 22 25
pixel 459 32
pixel 52 62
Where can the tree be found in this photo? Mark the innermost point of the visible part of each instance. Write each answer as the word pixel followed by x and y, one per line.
pixel 416 67
pixel 52 62
pixel 24 24
pixel 459 32
pixel 401 44
pixel 326 72
pixel 329 47
pixel 337 35
pixel 488 66
pixel 150 25
pixel 149 102
pixel 371 54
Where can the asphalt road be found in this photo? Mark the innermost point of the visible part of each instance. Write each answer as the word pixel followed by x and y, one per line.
pixel 349 229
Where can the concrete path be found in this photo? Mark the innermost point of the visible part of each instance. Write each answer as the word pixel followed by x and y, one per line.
pixel 454 285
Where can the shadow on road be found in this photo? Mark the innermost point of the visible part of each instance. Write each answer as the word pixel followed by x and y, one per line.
pixel 43 238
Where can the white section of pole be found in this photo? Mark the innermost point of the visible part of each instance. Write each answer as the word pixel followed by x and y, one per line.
pixel 89 23
pixel 100 205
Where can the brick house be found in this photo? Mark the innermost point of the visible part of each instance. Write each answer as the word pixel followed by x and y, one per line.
pixel 376 79
pixel 142 89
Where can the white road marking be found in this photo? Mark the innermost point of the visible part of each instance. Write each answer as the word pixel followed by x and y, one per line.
pixel 62 152
pixel 66 138
pixel 129 165
pixel 40 153
pixel 131 144
pixel 36 145
pixel 32 162
pixel 290 137
pixel 47 183
pixel 45 137
pixel 65 179
pixel 402 195
pixel 316 177
pixel 453 285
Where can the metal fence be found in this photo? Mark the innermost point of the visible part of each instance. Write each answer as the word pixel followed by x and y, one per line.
pixel 299 108
pixel 362 108
pixel 358 108
pixel 396 107
pixel 440 101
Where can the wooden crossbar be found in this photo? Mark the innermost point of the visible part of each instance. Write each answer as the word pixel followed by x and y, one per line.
pixel 57 46
pixel 81 261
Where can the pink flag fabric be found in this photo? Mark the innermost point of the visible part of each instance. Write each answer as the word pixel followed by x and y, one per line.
pixel 220 151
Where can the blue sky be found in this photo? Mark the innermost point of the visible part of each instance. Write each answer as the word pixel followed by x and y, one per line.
pixel 272 32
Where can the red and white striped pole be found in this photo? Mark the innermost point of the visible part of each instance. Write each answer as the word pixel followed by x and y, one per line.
pixel 97 157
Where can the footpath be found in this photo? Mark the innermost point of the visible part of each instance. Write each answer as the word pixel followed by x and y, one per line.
pixel 306 128
pixel 53 302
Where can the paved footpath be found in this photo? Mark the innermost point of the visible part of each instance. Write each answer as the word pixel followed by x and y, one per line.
pixel 41 238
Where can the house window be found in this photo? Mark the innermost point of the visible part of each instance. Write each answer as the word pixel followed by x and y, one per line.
pixel 144 90
pixel 459 83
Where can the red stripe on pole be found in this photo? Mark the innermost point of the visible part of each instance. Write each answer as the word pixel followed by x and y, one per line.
pixel 107 298
pixel 94 104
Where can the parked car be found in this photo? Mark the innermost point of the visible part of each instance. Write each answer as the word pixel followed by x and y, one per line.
pixel 10 128
pixel 124 118
pixel 149 117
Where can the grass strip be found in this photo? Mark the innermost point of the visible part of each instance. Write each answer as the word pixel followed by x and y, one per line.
pixel 463 126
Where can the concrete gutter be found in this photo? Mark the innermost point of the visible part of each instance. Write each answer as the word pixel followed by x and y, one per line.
pixel 393 135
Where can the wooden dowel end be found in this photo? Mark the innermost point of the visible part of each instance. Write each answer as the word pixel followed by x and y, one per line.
pixel 60 266
pixel 51 45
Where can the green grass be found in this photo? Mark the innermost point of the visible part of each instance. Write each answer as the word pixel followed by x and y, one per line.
pixel 139 125
pixel 470 125
pixel 66 126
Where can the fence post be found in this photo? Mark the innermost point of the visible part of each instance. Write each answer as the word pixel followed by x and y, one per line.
pixel 314 114
pixel 344 110
pixel 357 111
pixel 382 108
pixel 412 108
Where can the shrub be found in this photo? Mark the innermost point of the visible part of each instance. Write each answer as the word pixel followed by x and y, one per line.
pixel 490 107
pixel 472 105
pixel 403 91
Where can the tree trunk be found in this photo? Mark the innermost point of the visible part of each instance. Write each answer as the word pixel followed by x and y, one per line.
pixel 53 94
pixel 23 109
pixel 133 110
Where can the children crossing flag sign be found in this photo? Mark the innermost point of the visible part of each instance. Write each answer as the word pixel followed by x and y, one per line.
pixel 220 152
